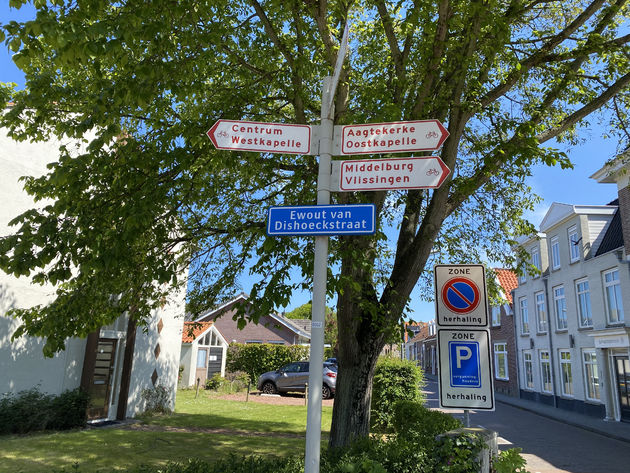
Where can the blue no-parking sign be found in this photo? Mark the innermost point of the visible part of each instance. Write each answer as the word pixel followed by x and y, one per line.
pixel 460 295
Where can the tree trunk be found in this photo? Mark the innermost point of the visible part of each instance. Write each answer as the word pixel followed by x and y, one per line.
pixel 360 342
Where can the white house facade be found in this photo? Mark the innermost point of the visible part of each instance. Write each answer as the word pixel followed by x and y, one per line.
pixel 571 329
pixel 114 364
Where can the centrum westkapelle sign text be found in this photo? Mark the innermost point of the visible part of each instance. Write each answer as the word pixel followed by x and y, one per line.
pixel 259 136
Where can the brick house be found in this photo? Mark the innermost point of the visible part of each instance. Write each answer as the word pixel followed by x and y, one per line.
pixel 272 328
pixel 502 335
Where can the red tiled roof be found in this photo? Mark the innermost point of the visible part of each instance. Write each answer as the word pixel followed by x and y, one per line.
pixel 508 281
pixel 192 330
pixel 412 324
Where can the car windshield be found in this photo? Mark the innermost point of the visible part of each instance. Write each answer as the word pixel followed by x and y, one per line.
pixel 330 366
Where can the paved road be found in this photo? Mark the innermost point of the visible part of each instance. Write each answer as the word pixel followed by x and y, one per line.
pixel 548 446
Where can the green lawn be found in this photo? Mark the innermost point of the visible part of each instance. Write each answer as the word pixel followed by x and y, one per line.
pixel 206 428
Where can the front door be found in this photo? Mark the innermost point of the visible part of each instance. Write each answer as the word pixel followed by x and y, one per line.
pixel 622 369
pixel 100 385
pixel 202 362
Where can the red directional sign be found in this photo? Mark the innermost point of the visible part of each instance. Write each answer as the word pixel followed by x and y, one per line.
pixel 427 172
pixel 394 137
pixel 262 137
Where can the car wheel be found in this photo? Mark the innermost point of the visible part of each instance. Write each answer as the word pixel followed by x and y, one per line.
pixel 326 392
pixel 269 388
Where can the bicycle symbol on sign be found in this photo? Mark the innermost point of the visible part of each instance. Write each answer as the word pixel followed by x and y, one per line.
pixel 432 134
pixel 433 172
pixel 223 134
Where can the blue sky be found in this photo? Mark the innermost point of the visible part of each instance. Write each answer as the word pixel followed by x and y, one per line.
pixel 552 184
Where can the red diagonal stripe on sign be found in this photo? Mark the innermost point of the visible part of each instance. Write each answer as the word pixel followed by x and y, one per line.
pixel 452 288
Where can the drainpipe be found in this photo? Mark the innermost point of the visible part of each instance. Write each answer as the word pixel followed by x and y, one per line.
pixel 552 362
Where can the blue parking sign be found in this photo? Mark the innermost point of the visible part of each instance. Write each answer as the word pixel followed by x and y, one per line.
pixel 465 364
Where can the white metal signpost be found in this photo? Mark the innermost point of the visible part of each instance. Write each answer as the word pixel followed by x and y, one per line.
pixel 428 172
pixel 325 219
pixel 461 305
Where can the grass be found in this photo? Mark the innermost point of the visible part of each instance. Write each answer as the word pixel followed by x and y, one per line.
pixel 207 428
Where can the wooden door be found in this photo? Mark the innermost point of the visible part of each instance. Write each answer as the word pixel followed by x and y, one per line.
pixel 100 384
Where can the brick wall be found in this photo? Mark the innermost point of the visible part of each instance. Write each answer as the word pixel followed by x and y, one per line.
pixel 505 333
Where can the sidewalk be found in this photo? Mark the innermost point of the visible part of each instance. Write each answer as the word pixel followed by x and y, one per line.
pixel 611 429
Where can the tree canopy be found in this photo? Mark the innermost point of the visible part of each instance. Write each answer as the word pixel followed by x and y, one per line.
pixel 147 79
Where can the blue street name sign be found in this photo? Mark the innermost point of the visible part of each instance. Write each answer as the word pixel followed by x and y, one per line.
pixel 356 219
pixel 465 364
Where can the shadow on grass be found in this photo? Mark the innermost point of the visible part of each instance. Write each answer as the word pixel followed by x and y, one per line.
pixel 110 450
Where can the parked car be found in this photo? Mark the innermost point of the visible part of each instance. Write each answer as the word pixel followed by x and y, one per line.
pixel 294 377
pixel 331 360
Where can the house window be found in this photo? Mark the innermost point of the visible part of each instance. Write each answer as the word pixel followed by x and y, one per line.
pixel 612 288
pixel 496 316
pixel 545 371
pixel 201 358
pixel 591 375
pixel 253 342
pixel 583 294
pixel 560 304
pixel 555 253
pixel 565 372
pixel 574 245
pixel 541 312
pixel 500 361
pixel 536 260
pixel 524 315
pixel 529 370
pixel 522 277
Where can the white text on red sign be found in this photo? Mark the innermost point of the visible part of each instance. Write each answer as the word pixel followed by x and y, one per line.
pixel 262 137
pixel 395 137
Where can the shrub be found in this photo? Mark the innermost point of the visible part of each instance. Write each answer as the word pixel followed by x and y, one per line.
pixel 509 461
pixel 394 380
pixel 256 359
pixel 157 400
pixel 458 454
pixel 215 382
pixel 32 410
pixel 412 419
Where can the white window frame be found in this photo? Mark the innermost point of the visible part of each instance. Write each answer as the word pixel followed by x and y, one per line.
pixel 501 360
pixel 522 304
pixel 560 308
pixel 522 278
pixel 535 255
pixel 542 316
pixel 574 246
pixel 555 252
pixel 584 309
pixel 613 286
pixel 545 368
pixel 528 369
pixel 495 311
pixel 566 372
pixel 591 376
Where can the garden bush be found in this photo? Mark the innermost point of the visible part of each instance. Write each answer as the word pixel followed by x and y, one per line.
pixel 412 419
pixel 157 400
pixel 394 380
pixel 32 410
pixel 256 359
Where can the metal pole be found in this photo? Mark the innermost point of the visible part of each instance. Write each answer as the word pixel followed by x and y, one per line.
pixel 320 268
pixel 467 417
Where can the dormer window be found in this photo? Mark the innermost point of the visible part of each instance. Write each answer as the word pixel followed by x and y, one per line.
pixel 574 244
